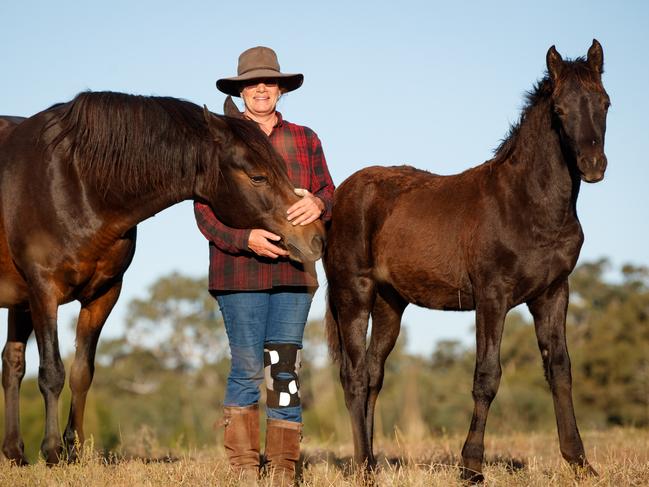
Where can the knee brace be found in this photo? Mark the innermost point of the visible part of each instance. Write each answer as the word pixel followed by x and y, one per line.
pixel 281 367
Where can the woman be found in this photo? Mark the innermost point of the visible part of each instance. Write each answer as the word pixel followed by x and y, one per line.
pixel 264 297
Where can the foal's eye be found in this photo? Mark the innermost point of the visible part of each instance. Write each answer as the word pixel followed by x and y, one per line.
pixel 558 110
pixel 258 179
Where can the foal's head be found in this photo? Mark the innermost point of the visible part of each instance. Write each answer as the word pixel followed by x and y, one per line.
pixel 580 104
pixel 254 187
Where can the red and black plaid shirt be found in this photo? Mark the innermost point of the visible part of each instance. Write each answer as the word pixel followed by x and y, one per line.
pixel 234 267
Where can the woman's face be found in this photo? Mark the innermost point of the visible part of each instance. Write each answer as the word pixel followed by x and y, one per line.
pixel 261 97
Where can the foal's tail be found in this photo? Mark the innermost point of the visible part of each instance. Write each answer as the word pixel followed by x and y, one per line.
pixel 333 333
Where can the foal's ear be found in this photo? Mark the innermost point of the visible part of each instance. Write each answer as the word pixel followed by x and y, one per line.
pixel 230 109
pixel 215 124
pixel 554 62
pixel 596 57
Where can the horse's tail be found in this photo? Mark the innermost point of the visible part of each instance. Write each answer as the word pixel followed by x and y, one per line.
pixel 332 331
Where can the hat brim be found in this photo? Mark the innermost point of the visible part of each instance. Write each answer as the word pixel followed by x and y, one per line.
pixel 233 86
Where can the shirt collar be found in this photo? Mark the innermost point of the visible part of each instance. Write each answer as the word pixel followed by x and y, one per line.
pixel 280 119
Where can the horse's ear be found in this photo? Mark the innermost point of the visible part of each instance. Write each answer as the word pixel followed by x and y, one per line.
pixel 554 62
pixel 215 124
pixel 596 57
pixel 230 109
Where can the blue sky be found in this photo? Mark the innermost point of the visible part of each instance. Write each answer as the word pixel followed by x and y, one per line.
pixel 432 84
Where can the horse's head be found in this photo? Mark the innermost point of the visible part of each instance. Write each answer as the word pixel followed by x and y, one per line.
pixel 253 188
pixel 580 105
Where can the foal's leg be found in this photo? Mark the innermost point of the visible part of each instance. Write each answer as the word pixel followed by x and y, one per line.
pixel 490 317
pixel 549 311
pixel 13 371
pixel 51 373
pixel 92 317
pixel 386 324
pixel 353 306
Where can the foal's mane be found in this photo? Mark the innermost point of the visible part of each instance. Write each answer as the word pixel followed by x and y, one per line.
pixel 127 141
pixel 578 69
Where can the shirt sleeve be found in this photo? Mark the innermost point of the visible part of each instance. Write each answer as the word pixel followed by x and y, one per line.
pixel 322 185
pixel 231 240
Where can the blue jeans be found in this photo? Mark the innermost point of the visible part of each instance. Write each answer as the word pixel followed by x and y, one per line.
pixel 251 319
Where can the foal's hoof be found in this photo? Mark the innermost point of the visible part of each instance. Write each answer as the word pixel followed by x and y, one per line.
pixel 72 450
pixel 71 455
pixel 471 476
pixel 584 471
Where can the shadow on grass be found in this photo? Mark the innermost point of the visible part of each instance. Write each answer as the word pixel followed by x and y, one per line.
pixel 111 458
pixel 434 462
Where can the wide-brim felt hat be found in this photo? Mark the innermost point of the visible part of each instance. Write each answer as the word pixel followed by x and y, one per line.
pixel 259 63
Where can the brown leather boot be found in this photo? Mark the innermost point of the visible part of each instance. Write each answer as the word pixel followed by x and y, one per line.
pixel 241 440
pixel 282 450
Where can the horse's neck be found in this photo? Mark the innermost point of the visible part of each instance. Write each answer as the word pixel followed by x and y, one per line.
pixel 131 209
pixel 542 168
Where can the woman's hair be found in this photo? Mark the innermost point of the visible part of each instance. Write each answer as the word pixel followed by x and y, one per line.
pixel 277 81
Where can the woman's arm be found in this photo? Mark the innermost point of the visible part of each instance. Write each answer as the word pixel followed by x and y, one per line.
pixel 231 240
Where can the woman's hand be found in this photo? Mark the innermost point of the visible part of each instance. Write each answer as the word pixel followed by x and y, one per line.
pixel 259 242
pixel 307 210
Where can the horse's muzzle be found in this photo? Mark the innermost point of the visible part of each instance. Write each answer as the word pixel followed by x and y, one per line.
pixel 301 253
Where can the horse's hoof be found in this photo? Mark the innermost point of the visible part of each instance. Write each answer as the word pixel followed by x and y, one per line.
pixel 15 455
pixel 52 454
pixel 471 476
pixel 17 460
pixel 368 475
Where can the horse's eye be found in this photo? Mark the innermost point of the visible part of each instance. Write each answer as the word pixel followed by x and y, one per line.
pixel 607 105
pixel 558 110
pixel 258 179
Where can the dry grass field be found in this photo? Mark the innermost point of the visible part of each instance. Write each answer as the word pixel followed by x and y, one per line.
pixel 621 457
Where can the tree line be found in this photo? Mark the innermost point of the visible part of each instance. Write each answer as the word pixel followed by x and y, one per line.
pixel 159 386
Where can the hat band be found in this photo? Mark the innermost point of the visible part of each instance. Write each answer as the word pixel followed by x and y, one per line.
pixel 257 68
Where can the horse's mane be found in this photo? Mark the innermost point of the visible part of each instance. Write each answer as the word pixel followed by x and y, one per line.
pixel 250 133
pixel 126 141
pixel 579 69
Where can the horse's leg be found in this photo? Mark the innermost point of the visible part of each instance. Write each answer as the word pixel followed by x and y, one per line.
pixel 51 372
pixel 13 370
pixel 490 317
pixel 353 306
pixel 92 317
pixel 549 312
pixel 386 324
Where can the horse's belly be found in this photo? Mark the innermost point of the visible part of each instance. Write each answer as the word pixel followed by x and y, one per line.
pixel 110 268
pixel 13 292
pixel 13 288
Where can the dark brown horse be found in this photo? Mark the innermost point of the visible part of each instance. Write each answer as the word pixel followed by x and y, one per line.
pixel 74 182
pixel 495 236
pixel 7 124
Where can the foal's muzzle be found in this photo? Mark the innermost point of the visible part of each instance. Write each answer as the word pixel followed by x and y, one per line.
pixel 592 167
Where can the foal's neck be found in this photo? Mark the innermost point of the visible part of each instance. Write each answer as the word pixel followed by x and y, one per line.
pixel 537 170
pixel 543 164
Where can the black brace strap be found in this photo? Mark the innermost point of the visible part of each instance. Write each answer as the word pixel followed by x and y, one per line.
pixel 284 359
